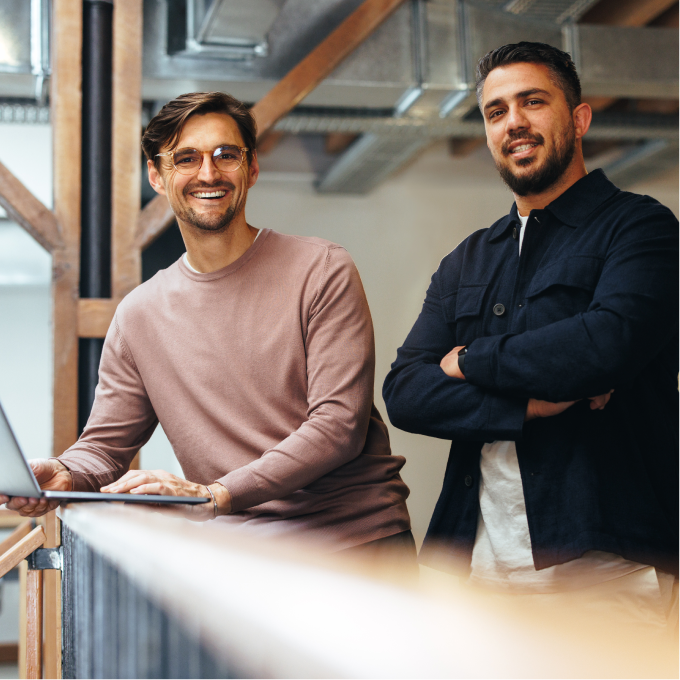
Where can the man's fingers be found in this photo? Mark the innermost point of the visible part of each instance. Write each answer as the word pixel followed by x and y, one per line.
pixel 155 488
pixel 127 482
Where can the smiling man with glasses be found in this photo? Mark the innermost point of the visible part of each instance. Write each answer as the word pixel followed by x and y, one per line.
pixel 255 352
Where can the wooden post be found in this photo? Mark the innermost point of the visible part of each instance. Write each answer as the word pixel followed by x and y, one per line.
pixel 66 102
pixel 127 128
pixel 23 572
pixel 34 623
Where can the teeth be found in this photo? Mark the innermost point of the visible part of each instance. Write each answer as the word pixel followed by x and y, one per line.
pixel 523 147
pixel 209 194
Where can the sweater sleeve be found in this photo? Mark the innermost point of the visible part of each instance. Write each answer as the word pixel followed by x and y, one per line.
pixel 340 372
pixel 121 421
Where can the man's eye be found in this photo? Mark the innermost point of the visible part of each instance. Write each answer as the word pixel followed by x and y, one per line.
pixel 495 114
pixel 229 156
pixel 185 160
pixel 534 101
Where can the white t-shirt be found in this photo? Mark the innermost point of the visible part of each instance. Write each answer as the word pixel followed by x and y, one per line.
pixel 502 557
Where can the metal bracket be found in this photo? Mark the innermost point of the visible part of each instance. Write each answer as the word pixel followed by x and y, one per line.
pixel 45 558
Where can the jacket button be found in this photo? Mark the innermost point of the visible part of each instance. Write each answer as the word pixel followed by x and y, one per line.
pixel 515 233
pixel 499 309
pixel 468 480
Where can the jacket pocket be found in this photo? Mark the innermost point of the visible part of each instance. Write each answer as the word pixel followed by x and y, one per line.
pixel 562 290
pixel 464 308
pixel 581 272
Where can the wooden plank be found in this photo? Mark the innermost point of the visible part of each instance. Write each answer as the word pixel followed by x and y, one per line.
pixel 94 316
pixel 66 100
pixel 669 19
pixel 20 532
pixel 34 623
pixel 23 573
pixel 26 210
pixel 9 652
pixel 626 12
pixel 154 219
pixel 66 104
pixel 22 549
pixel 267 143
pixel 52 601
pixel 127 124
pixel 320 62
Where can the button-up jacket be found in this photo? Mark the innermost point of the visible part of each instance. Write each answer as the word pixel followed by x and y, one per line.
pixel 590 305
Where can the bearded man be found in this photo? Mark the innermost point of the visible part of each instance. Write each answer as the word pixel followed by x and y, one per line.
pixel 546 350
pixel 254 351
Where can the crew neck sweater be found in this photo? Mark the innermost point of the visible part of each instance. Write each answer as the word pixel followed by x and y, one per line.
pixel 261 374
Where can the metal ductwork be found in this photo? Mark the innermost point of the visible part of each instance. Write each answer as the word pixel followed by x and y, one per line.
pixel 413 78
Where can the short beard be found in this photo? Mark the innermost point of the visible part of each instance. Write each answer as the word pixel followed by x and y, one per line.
pixel 219 223
pixel 546 175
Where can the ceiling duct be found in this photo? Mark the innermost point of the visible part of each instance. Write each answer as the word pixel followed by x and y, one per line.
pixel 228 29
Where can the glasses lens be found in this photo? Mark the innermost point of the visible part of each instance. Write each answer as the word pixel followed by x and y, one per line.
pixel 187 160
pixel 227 158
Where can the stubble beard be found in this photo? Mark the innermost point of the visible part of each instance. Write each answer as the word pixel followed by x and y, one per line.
pixel 213 224
pixel 545 175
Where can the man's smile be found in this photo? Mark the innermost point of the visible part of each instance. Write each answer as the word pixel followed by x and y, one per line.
pixel 209 194
pixel 520 148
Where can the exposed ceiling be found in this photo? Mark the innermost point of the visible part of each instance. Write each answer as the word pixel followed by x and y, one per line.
pixel 406 86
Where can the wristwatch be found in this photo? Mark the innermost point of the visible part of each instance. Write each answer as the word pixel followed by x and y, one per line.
pixel 461 359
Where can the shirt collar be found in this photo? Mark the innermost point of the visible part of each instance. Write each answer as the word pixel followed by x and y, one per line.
pixel 572 207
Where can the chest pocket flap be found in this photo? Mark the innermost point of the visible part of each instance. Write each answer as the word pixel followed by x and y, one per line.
pixel 577 272
pixel 466 302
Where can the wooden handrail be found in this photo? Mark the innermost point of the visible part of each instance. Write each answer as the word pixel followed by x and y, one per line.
pixel 21 550
pixel 20 532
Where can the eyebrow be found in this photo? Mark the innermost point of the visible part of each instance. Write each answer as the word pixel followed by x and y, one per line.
pixel 519 95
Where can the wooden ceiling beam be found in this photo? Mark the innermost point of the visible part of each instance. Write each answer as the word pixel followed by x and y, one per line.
pixel 669 19
pixel 321 61
pixel 25 209
pixel 626 12
pixel 288 92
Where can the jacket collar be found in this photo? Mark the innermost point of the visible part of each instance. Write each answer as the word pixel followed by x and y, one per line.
pixel 571 208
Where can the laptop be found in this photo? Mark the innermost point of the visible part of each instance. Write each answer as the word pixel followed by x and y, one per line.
pixel 17 479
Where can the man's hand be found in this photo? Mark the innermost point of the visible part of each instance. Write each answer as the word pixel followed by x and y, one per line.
pixel 165 484
pixel 545 409
pixel 449 364
pixel 52 476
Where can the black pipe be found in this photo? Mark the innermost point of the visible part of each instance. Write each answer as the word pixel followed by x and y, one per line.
pixel 95 239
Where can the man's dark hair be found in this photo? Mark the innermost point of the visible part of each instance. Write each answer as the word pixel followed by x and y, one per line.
pixel 559 63
pixel 165 128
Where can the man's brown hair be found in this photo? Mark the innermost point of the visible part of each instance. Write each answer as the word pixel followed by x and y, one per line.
pixel 165 128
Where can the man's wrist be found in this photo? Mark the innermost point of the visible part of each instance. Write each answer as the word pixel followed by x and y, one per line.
pixel 222 498
pixel 61 468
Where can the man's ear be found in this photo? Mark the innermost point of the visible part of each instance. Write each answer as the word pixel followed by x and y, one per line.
pixel 155 179
pixel 253 170
pixel 582 116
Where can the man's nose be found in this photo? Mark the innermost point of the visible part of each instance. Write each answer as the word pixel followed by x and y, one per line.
pixel 516 119
pixel 208 172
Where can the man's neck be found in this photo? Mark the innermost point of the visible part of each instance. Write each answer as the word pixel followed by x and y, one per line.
pixel 209 251
pixel 575 172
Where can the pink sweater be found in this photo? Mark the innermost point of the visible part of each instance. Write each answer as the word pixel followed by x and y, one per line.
pixel 261 374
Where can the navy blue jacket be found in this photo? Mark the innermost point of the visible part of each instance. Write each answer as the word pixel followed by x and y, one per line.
pixel 590 305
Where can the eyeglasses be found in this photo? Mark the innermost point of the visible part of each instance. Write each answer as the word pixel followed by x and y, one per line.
pixel 225 158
